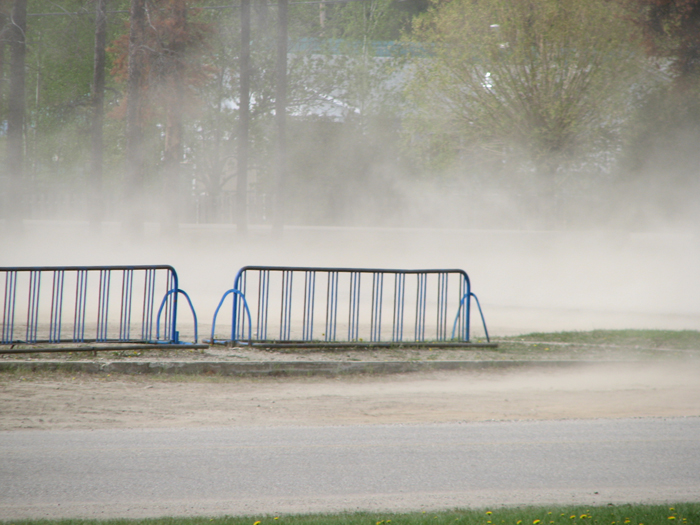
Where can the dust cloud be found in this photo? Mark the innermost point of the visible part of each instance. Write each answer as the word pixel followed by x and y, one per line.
pixel 601 391
pixel 527 281
pixel 609 239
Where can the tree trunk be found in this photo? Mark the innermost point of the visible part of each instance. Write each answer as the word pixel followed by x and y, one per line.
pixel 4 190
pixel 244 123
pixel 3 21
pixel 98 93
pixel 281 115
pixel 15 112
pixel 172 154
pixel 134 124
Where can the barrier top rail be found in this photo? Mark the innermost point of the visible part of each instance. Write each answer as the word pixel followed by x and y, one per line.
pixel 352 304
pixel 58 304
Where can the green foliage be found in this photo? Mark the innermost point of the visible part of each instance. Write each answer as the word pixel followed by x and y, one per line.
pixel 680 514
pixel 370 19
pixel 671 30
pixel 536 83
pixel 59 74
pixel 660 155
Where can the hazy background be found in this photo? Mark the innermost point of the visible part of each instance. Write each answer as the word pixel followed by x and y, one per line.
pixel 419 135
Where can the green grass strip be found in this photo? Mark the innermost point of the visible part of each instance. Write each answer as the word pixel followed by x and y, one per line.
pixel 675 514
pixel 670 339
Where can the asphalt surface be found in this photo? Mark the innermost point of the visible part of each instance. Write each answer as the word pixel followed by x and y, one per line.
pixel 255 471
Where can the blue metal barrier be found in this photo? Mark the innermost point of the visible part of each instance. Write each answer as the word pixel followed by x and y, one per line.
pixel 352 305
pixel 91 304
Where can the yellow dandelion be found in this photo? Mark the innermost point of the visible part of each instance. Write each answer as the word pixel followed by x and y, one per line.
pixel 535 522
pixel 583 516
pixel 256 523
pixel 672 517
pixel 671 508
pixel 488 512
pixel 518 522
pixel 572 517
pixel 380 522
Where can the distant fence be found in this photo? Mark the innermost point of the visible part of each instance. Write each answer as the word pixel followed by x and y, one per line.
pixel 303 305
pixel 91 304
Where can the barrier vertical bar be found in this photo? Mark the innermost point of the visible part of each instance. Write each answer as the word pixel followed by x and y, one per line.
pixel 397 318
pixel 442 306
pixel 8 310
pixel 103 305
pixel 149 290
pixel 309 296
pixel 56 306
pixel 168 334
pixel 376 317
pixel 33 305
pixel 80 303
pixel 170 296
pixel 331 306
pixel 286 310
pixel 238 312
pixel 464 312
pixel 125 310
pixel 175 285
pixel 420 307
pixel 354 315
pixel 263 304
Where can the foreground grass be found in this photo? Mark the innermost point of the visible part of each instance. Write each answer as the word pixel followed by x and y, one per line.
pixel 579 345
pixel 682 513
pixel 670 339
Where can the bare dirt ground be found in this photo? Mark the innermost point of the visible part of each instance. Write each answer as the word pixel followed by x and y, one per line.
pixel 651 388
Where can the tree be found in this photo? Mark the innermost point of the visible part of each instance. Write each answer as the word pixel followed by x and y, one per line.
pixel 98 95
pixel 671 30
pixel 16 108
pixel 134 109
pixel 159 62
pixel 534 83
pixel 661 153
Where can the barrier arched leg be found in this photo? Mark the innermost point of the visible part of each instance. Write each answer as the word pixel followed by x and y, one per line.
pixel 467 297
pixel 176 336
pixel 216 313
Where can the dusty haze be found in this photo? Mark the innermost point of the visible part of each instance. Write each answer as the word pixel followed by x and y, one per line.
pixel 527 281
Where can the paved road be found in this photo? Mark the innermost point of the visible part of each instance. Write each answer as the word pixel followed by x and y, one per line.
pixel 134 473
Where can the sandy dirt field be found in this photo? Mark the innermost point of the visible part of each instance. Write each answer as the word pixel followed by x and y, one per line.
pixel 613 390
